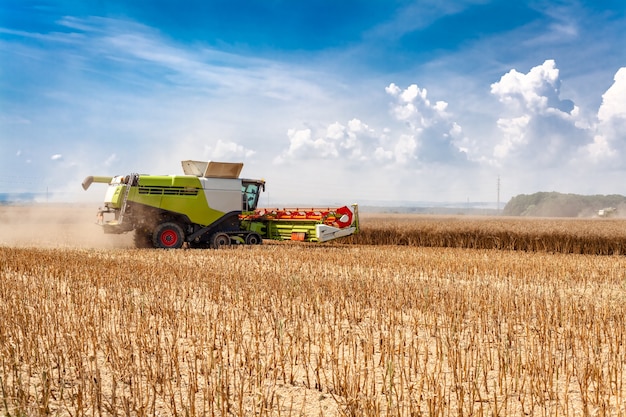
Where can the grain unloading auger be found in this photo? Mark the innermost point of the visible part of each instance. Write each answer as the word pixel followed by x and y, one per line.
pixel 210 206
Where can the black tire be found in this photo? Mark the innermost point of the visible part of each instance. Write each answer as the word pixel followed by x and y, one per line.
pixel 254 239
pixel 220 240
pixel 143 239
pixel 168 236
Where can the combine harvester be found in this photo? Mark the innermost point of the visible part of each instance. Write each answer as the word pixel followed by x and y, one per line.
pixel 210 206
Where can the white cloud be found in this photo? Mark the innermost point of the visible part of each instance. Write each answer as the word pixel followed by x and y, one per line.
pixel 393 90
pixel 614 100
pixel 354 141
pixel 534 92
pixel 543 130
pixel 382 155
pixel 608 146
pixel 404 150
pixel 514 135
pixel 599 150
pixel 227 150
pixel 420 131
pixel 414 107
pixel 435 136
pixel 540 128
pixel 56 157
pixel 538 132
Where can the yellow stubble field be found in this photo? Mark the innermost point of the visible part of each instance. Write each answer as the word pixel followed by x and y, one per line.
pixel 91 326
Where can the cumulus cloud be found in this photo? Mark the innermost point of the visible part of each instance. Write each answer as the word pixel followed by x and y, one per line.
pixel 414 107
pixel 608 143
pixel 56 157
pixel 353 141
pixel 536 129
pixel 514 135
pixel 599 150
pixel 404 149
pixel 434 135
pixel 421 131
pixel 614 100
pixel 539 126
pixel 535 92
pixel 226 150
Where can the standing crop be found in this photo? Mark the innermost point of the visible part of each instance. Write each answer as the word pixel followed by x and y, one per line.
pixel 560 235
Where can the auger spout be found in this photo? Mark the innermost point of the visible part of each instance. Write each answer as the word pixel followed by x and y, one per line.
pixel 92 178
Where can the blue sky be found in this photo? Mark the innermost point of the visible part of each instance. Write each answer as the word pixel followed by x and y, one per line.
pixel 329 102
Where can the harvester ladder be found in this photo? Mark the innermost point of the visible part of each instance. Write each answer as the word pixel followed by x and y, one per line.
pixel 132 180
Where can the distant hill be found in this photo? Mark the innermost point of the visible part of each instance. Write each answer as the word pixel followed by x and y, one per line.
pixel 553 204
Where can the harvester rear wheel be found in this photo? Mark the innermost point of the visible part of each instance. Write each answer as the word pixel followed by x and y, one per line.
pixel 254 239
pixel 168 236
pixel 220 239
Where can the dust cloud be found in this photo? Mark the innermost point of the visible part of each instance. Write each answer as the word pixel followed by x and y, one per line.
pixel 56 226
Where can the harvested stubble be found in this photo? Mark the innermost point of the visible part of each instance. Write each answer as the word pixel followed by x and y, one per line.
pixel 562 235
pixel 311 330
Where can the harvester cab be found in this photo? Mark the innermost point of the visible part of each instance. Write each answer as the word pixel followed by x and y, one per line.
pixel 210 206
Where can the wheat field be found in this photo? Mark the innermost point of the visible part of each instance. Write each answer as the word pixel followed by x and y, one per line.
pixel 92 328
pixel 594 236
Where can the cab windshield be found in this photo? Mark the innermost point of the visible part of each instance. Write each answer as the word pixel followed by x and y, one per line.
pixel 250 194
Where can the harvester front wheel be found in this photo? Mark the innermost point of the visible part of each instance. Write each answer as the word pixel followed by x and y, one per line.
pixel 168 236
pixel 254 239
pixel 220 239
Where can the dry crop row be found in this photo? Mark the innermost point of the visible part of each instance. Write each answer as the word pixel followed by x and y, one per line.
pixel 311 330
pixel 580 236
